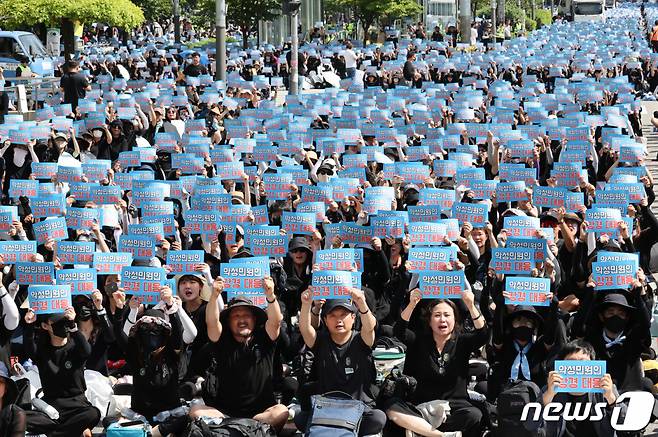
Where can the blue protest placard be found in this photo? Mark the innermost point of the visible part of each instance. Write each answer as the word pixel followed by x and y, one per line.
pixel 81 280
pixel 424 213
pixel 269 245
pixel 549 197
pixel 617 199
pixel 277 185
pixel 106 194
pixel 511 191
pixel 607 256
pixel 23 187
pixel 144 282
pixel 317 208
pixel 580 376
pixel 520 226
pixel 298 222
pixel 96 170
pixel 482 189
pixel 476 214
pixel 150 209
pixel 331 284
pixel 510 261
pixel 445 168
pixel 81 218
pixel 35 273
pixel 442 284
pixel 431 258
pixel 383 226
pixel 51 229
pixel 212 202
pixel 184 261
pixel 168 223
pixel 17 251
pixel 229 170
pixel 202 222
pixel 614 274
pixel 49 299
pixel 245 279
pixel 111 263
pixel 636 191
pixel 539 245
pixel 44 170
pixel 603 220
pixel 317 193
pixel 353 233
pixel 437 196
pixel 339 259
pixel 155 230
pixel 427 234
pixel 75 252
pixel 69 174
pixel 140 246
pixel 49 205
pixel 527 291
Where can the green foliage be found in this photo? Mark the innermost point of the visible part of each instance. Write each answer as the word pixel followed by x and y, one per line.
pixel 369 12
pixel 243 13
pixel 120 13
pixel 530 24
pixel 209 42
pixel 543 17
pixel 156 9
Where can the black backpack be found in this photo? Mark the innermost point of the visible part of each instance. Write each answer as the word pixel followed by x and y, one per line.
pixel 511 400
pixel 229 428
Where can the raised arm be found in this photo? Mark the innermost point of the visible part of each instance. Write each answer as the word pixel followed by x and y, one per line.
pixel 212 310
pixel 368 320
pixel 274 315
pixel 307 330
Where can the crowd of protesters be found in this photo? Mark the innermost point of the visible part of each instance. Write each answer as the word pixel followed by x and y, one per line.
pixel 426 160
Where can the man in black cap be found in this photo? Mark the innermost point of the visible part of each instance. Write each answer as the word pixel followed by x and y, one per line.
pixel 195 69
pixel 343 357
pixel 244 344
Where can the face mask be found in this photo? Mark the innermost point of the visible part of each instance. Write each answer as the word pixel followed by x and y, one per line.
pixel 614 324
pixel 151 341
pixel 523 333
pixel 84 313
pixel 59 329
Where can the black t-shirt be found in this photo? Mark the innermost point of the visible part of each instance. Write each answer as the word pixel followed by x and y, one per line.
pixel 195 70
pixel 579 428
pixel 244 374
pixel 75 87
pixel 348 368
pixel 408 70
pixel 441 375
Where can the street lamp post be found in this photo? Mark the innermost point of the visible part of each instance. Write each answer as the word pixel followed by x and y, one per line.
pixel 292 8
pixel 493 20
pixel 220 40
pixel 176 21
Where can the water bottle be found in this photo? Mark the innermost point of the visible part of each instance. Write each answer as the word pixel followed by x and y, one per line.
pixel 131 415
pixel 161 416
pixel 471 385
pixel 180 411
pixel 42 406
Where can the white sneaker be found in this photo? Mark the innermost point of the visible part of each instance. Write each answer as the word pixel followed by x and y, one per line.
pixel 452 434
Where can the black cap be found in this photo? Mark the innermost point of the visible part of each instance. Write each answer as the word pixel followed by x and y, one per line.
pixel 243 301
pixel 299 243
pixel 332 304
pixel 525 311
pixel 615 298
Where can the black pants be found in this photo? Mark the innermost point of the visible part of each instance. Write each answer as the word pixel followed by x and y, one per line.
pixel 75 415
pixel 463 417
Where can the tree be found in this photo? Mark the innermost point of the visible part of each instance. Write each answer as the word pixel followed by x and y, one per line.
pixel 156 9
pixel 369 12
pixel 245 14
pixel 120 13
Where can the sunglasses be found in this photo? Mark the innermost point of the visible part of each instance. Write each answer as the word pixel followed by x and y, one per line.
pixel 298 250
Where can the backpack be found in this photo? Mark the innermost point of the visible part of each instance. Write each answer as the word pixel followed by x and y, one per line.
pixel 210 384
pixel 511 400
pixel 229 427
pixel 334 414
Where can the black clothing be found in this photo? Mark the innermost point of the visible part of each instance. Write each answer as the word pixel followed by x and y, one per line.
pixel 74 85
pixel 245 374
pixel 195 70
pixel 348 368
pixel 408 70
